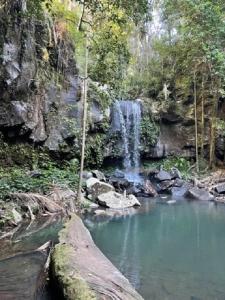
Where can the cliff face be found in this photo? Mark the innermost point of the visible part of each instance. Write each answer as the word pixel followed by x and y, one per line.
pixel 40 89
pixel 36 103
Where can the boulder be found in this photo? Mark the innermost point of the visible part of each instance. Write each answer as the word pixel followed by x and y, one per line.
pixel 99 188
pixel 165 186
pixel 99 175
pixel 220 188
pixel 149 189
pixel 163 175
pixel 91 181
pixel 120 184
pixel 117 201
pixel 178 182
pixel 87 175
pixel 175 173
pixel 62 194
pixel 153 172
pixel 199 194
pixel 179 190
pixel 135 189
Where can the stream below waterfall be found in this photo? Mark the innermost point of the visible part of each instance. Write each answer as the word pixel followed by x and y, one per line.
pixel 168 252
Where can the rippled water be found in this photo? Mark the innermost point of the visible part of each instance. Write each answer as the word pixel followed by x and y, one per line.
pixel 169 251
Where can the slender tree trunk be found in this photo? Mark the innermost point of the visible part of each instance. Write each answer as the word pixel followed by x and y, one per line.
pixel 224 149
pixel 212 130
pixel 85 89
pixel 203 120
pixel 81 18
pixel 196 123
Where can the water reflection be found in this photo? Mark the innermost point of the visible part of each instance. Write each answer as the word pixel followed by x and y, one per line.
pixel 21 267
pixel 169 252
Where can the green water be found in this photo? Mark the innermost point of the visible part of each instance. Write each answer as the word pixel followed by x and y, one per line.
pixel 21 267
pixel 168 251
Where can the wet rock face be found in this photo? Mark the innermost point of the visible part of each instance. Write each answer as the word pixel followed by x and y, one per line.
pixel 176 129
pixel 40 89
pixel 30 100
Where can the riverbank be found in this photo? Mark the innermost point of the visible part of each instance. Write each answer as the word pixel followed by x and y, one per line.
pixel 100 191
pixel 75 238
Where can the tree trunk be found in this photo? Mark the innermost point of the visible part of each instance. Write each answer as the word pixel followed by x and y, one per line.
pixel 213 130
pixel 196 123
pixel 203 121
pixel 85 89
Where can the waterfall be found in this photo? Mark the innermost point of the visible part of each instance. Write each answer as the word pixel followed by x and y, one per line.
pixel 126 119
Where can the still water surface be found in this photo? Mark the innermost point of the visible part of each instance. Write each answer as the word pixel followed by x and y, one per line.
pixel 168 252
pixel 21 267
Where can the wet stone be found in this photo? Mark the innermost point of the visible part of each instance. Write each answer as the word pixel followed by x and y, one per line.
pixel 220 188
pixel 163 175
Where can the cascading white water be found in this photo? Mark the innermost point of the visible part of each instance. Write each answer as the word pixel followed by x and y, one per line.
pixel 127 119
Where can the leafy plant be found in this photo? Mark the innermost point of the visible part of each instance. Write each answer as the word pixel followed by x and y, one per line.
pixel 181 163
pixel 149 131
pixel 19 179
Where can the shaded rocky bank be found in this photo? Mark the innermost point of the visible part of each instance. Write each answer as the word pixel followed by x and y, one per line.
pixel 111 194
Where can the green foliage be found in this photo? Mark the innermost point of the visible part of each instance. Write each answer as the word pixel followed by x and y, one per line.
pixel 16 162
pixel 109 49
pixel 220 127
pixel 66 21
pixel 149 131
pixel 22 154
pixel 96 93
pixel 113 141
pixel 147 83
pixel 17 179
pixel 137 11
pixel 94 153
pixel 36 7
pixel 181 163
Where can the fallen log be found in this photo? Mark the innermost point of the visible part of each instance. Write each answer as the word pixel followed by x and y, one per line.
pixel 81 270
pixel 44 202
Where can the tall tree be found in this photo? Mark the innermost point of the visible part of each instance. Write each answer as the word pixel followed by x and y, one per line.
pixel 84 121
